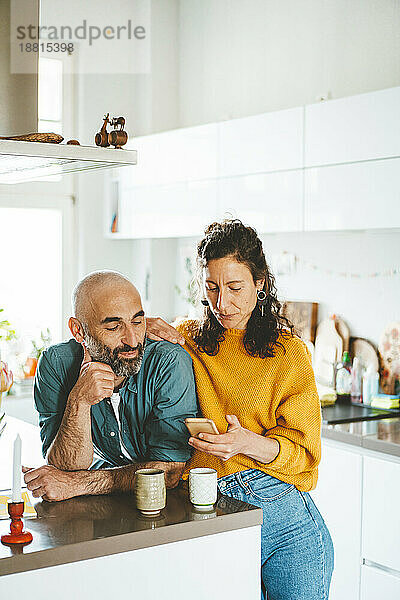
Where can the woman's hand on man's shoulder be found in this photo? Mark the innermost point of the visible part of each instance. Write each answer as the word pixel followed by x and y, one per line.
pixel 158 329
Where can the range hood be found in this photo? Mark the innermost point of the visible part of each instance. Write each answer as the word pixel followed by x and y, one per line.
pixel 27 161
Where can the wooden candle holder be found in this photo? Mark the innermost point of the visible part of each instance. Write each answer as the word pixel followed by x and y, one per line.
pixel 17 534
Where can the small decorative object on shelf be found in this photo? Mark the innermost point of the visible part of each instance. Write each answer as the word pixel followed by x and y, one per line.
pixel 73 143
pixel 114 224
pixel 47 138
pixel 117 137
pixel 101 138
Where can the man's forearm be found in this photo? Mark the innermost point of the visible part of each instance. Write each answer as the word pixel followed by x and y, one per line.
pixel 72 448
pixel 120 479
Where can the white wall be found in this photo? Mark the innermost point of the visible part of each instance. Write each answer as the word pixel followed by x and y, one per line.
pixel 18 92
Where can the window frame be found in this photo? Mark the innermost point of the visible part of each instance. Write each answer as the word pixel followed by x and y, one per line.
pixel 65 204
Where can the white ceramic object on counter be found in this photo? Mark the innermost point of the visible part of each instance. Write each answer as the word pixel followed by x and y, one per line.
pixel 203 488
pixel 149 491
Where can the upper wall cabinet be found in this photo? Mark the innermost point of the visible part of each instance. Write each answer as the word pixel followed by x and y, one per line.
pixel 267 142
pixel 354 196
pixel 174 210
pixel 270 202
pixel 174 156
pixel 328 166
pixel 351 129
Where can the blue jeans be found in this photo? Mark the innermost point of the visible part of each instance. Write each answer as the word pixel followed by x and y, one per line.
pixel 296 548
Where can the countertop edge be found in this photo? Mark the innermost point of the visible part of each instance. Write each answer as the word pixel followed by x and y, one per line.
pixel 341 436
pixel 381 446
pixel 127 542
pixel 365 441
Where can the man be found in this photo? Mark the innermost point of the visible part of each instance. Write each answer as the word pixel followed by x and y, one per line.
pixel 110 397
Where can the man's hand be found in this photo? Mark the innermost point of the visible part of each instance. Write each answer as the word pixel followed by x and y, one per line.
pixel 157 329
pixel 52 484
pixel 172 471
pixel 72 448
pixel 95 382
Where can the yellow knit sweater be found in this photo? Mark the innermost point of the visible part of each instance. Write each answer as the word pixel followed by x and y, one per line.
pixel 275 397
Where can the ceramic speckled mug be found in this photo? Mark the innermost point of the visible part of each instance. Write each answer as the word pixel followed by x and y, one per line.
pixel 203 488
pixel 149 491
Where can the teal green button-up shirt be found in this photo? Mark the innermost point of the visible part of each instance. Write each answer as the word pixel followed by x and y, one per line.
pixel 153 404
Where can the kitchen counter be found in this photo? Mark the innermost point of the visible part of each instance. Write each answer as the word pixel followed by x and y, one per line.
pixel 380 436
pixel 90 527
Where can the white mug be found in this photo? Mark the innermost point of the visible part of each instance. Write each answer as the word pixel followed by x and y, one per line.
pixel 203 487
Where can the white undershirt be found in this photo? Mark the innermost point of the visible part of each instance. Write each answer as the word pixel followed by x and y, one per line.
pixel 115 400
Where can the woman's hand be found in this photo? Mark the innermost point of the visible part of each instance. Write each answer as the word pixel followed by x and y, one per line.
pixel 237 440
pixel 158 329
pixel 224 445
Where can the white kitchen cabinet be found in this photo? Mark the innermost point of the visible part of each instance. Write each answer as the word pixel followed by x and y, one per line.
pixel 174 156
pixel 381 519
pixel 261 143
pixel 149 573
pixel 177 210
pixel 328 166
pixel 269 202
pixel 366 126
pixel 354 196
pixel 377 584
pixel 338 498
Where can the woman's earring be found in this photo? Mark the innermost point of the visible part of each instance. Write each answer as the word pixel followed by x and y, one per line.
pixel 261 300
pixel 204 302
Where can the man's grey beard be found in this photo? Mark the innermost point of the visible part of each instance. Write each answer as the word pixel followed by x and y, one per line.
pixel 122 367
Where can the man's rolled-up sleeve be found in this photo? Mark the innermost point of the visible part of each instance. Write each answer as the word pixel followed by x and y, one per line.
pixel 175 400
pixel 50 397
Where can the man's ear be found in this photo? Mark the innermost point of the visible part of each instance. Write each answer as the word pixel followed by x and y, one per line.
pixel 76 329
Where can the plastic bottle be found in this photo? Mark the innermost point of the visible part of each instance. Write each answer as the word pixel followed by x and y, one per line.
pixel 370 387
pixel 356 381
pixel 343 379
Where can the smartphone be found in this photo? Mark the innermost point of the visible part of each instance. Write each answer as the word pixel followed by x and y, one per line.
pixel 197 426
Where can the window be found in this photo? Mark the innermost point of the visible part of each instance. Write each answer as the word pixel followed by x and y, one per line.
pixel 50 95
pixel 31 275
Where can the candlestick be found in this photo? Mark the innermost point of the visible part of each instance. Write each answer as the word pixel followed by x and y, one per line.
pixel 17 534
pixel 16 488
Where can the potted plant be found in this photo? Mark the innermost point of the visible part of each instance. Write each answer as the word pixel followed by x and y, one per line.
pixel 7 333
pixel 37 349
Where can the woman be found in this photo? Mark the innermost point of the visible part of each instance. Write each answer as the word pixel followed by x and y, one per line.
pixel 254 379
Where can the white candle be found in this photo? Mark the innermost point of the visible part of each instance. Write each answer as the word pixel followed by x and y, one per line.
pixel 16 488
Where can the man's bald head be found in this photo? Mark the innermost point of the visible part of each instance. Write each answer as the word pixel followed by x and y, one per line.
pixel 95 286
pixel 109 321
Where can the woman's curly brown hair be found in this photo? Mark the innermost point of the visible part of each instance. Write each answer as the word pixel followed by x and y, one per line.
pixel 232 238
